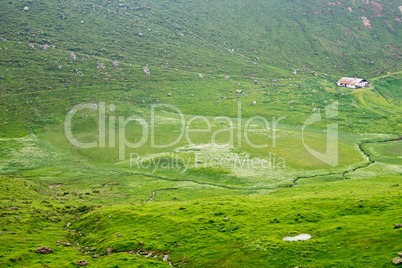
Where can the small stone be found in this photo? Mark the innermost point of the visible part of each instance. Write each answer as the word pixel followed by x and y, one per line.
pixel 115 63
pixel 146 71
pixel 44 250
pixel 140 243
pixel 73 56
pixel 397 261
pixel 400 255
pixel 82 263
pixel 398 226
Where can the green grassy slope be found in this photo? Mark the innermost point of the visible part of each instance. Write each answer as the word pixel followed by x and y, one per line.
pixel 322 36
pixel 260 54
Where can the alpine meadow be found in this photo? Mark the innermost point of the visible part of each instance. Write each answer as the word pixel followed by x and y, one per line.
pixel 242 133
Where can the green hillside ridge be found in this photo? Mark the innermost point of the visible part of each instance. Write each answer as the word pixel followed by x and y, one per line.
pixel 319 35
pixel 227 61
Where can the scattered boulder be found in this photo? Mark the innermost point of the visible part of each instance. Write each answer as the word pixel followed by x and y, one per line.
pixel 26 8
pixel 82 263
pixel 169 94
pixel 400 255
pixel 14 208
pixel 200 76
pixel 350 9
pixel 397 261
pixel 115 63
pixel 256 82
pixel 367 22
pixel 101 66
pixel 239 91
pixel 2 39
pixel 73 56
pixel 66 244
pixel 227 77
pixel 44 250
pixel 141 243
pixel 146 71
pixel 398 226
pixel 44 47
pixel 60 67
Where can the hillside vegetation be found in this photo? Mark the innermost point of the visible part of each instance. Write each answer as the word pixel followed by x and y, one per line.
pixel 228 61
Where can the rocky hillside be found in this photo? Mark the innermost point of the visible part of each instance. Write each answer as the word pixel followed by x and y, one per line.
pixel 244 38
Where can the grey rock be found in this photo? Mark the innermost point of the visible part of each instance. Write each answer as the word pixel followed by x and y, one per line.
pixel 397 261
pixel 44 250
pixel 44 47
pixel 82 263
pixel 146 71
pixel 115 63
pixel 73 56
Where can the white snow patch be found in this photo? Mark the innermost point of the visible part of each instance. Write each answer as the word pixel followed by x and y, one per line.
pixel 301 237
